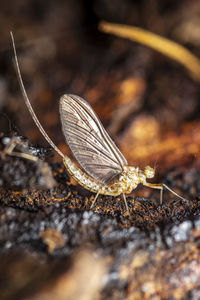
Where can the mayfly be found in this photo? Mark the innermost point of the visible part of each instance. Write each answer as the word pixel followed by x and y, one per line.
pixel 104 170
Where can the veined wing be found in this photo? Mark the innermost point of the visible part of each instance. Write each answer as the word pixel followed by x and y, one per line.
pixel 88 140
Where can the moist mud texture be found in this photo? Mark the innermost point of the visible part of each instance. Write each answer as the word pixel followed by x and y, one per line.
pixel 52 245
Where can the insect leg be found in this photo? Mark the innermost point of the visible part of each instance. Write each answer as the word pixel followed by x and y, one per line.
pixel 95 199
pixel 160 187
pixel 126 204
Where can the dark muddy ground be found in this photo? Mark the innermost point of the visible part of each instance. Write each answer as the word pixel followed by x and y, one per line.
pixel 52 246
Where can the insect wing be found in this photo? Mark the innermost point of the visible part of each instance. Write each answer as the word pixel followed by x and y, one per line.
pixel 88 140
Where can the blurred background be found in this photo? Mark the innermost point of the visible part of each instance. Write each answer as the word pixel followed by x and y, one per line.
pixel 148 103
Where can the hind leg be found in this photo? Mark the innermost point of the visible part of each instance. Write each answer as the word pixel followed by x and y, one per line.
pixel 95 199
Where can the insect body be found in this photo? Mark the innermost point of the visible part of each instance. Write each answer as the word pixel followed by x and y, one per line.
pixel 127 181
pixel 104 169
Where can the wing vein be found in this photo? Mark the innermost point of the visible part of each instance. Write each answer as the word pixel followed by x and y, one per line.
pixel 89 142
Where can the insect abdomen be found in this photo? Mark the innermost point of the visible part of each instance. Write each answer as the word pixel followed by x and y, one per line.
pixel 89 183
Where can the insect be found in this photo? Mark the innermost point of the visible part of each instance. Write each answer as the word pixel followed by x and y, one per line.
pixel 104 170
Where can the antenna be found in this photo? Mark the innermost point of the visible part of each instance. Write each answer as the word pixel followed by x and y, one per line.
pixel 28 104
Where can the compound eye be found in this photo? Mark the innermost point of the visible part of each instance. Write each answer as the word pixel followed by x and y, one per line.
pixel 149 172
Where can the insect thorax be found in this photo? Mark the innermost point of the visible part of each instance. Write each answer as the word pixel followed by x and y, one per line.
pixel 132 176
pixel 129 179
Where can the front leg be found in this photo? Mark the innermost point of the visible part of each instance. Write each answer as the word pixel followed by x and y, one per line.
pixel 160 186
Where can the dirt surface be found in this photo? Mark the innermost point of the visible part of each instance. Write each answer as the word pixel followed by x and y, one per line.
pixel 52 246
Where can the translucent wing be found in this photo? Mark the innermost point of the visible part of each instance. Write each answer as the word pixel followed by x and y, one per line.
pixel 88 140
